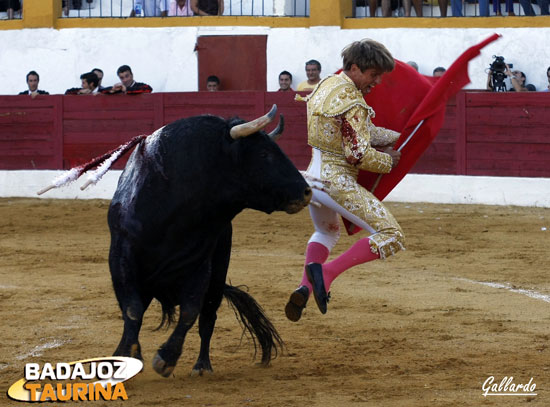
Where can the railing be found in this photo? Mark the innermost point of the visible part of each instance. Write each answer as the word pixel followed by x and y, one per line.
pixel 127 8
pixel 451 8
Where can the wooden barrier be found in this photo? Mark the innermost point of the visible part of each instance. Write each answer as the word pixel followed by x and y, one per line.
pixel 495 134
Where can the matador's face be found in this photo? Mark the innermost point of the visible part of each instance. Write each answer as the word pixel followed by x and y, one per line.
pixel 367 79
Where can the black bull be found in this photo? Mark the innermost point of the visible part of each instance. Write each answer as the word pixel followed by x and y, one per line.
pixel 170 222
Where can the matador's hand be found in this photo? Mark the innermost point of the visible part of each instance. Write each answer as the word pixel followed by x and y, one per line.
pixel 395 156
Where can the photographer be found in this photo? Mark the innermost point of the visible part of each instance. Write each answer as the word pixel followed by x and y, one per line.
pixel 517 79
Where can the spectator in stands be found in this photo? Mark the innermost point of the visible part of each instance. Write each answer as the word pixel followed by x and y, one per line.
pixel 207 7
pixel 10 6
pixel 150 8
pixel 528 9
pixel 32 83
pixel 417 7
pixel 285 81
pixel 548 76
pixel 74 4
pixel 413 64
pixel 456 7
pixel 212 83
pixel 89 81
pixel 127 83
pixel 509 7
pixel 313 73
pixel 180 8
pixel 99 74
pixel 439 71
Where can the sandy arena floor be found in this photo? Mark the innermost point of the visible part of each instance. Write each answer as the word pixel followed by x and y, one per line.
pixel 420 329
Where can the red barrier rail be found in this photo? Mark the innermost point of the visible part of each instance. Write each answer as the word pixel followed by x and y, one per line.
pixel 497 134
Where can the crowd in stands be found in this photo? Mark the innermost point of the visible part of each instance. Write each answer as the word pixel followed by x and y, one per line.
pixel 91 81
pixel 90 84
pixel 389 8
pixel 376 8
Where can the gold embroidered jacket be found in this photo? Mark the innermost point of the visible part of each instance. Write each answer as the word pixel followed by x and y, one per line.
pixel 340 123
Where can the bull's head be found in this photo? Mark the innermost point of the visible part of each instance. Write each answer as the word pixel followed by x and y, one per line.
pixel 271 181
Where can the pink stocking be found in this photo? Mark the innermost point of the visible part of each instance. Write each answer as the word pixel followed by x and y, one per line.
pixel 315 253
pixel 359 253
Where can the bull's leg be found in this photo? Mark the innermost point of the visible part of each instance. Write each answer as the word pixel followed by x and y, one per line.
pixel 212 300
pixel 132 302
pixel 132 314
pixel 191 298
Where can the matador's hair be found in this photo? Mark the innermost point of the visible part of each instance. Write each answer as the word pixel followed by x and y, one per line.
pixel 367 54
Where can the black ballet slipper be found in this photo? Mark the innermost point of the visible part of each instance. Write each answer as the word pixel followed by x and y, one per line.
pixel 314 272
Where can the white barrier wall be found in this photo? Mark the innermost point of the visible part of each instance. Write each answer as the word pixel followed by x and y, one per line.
pixel 165 57
pixel 413 188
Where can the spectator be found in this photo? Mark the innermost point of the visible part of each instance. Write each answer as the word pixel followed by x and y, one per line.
pixel 456 7
pixel 417 7
pixel 413 64
pixel 212 83
pixel 74 4
pixel 528 9
pixel 99 74
pixel 207 7
pixel 32 83
pixel 313 73
pixel 509 7
pixel 531 88
pixel 89 81
pixel 285 81
pixel 127 83
pixel 548 76
pixel 150 8
pixel 179 8
pixel 10 6
pixel 439 71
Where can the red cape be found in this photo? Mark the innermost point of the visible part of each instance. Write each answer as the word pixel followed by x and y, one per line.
pixel 404 99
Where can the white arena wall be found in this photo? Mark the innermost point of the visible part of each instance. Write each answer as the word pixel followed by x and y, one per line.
pixel 165 57
pixel 446 189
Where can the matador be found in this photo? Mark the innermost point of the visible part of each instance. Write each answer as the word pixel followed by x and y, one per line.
pixel 344 141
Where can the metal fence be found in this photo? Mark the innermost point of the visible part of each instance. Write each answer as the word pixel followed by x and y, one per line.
pixel 448 8
pixel 170 8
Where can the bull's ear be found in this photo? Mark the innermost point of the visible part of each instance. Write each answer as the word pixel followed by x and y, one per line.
pixel 246 129
pixel 278 131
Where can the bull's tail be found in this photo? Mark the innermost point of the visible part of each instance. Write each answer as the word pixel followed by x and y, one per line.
pixel 102 162
pixel 255 321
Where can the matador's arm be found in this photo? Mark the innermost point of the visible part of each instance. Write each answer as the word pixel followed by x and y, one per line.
pixel 356 138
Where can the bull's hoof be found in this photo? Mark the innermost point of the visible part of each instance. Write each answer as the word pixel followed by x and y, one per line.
pixel 202 367
pixel 161 367
pixel 296 303
pixel 201 372
pixel 135 352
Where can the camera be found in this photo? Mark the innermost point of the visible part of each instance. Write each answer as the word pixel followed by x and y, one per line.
pixel 498 69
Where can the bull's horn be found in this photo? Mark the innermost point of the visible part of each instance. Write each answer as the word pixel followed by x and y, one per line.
pixel 248 128
pixel 275 134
